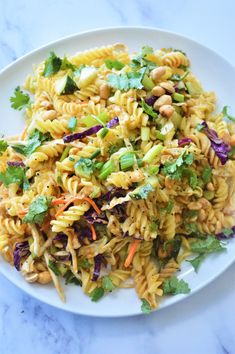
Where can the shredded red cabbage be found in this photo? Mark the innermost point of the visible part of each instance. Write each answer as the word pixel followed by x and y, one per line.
pixel 218 145
pixel 226 235
pixel 112 122
pixel 21 250
pixel 82 233
pixel 184 141
pixel 90 131
pixel 151 100
pixel 16 163
pixel 92 217
pixel 61 237
pixel 98 261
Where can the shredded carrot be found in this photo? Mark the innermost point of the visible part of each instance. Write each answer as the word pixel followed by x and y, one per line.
pixel 131 253
pixel 73 199
pixel 58 201
pixel 23 212
pixel 93 232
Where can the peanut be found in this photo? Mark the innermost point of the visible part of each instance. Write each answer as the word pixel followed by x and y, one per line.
pixel 158 91
pixel 166 110
pixel 167 86
pixel 31 277
pixel 104 91
pixel 164 99
pixel 157 73
pixel 44 277
pixel 194 206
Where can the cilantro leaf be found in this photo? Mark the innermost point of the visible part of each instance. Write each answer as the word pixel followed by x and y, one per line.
pixel 52 65
pixel 127 81
pixel 187 214
pixel 71 279
pixel 140 60
pixel 38 210
pixel 176 168
pixel 175 286
pixel 200 127
pixel 107 284
pixel 225 113
pixel 20 100
pixel 169 207
pixel 146 50
pixel 3 146
pixel 172 247
pixel 54 268
pixel 84 167
pixel 148 109
pixel 208 245
pixel 141 192
pixel 191 227
pixel 192 176
pixel 34 141
pixel 206 174
pixel 196 262
pixel 114 64
pixel 145 307
pixel 84 263
pixel 97 294
pixel 16 175
pixel 72 124
pixel 66 64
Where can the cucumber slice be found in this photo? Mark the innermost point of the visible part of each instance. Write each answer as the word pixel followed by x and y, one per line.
pixel 87 76
pixel 65 85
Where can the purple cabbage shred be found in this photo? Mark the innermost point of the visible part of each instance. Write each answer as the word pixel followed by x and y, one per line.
pixel 225 235
pixel 98 261
pixel 150 100
pixel 16 163
pixel 184 141
pixel 61 237
pixel 220 147
pixel 112 122
pixel 91 217
pixel 21 250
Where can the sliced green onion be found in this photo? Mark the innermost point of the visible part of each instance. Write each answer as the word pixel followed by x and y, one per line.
pixel 139 162
pixel 95 154
pixel 99 165
pixel 103 132
pixel 65 153
pixel 72 124
pixel 127 161
pixel 153 170
pixel 152 153
pixel 106 170
pixel 145 133
pixel 160 136
pixel 92 120
pixel 147 83
pixel 178 97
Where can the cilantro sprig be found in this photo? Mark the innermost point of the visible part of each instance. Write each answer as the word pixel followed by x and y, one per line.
pixel 177 168
pixel 3 146
pixel 38 210
pixel 34 141
pixel 127 81
pixel 196 262
pixel 207 245
pixel 175 286
pixel 16 175
pixel 54 63
pixel 148 109
pixel 140 60
pixel 20 99
pixel 114 64
pixel 146 307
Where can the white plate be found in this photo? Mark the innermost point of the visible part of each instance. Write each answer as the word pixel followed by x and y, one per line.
pixel 214 72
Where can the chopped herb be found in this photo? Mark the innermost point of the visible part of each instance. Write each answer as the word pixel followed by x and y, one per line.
pixel 52 65
pixel 169 207
pixel 14 174
pixel 177 77
pixel 54 268
pixel 200 127
pixel 153 226
pixel 231 152
pixel 206 174
pixel 127 81
pixel 38 210
pixel 175 169
pixel 3 146
pixel 175 286
pixel 188 214
pixel 84 263
pixel 20 100
pixel 71 279
pixel 72 124
pixel 191 227
pixel 97 294
pixel 84 167
pixel 114 64
pixel 107 284
pixel 66 64
pixel 172 247
pixel 148 109
pixel 140 60
pixel 192 176
pixel 34 141
pixel 208 245
pixel 71 159
pixel 142 192
pixel 145 307
pixel 196 262
pixel 225 113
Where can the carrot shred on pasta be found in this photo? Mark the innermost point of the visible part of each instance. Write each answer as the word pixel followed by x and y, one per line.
pixel 131 253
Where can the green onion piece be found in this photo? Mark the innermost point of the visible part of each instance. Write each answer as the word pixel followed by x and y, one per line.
pixel 92 120
pixel 139 162
pixel 106 170
pixel 178 97
pixel 209 195
pixel 103 132
pixel 160 136
pixel 147 83
pixel 95 154
pixel 72 124
pixel 99 165
pixel 152 153
pixel 153 170
pixel 127 161
pixel 145 133
pixel 65 153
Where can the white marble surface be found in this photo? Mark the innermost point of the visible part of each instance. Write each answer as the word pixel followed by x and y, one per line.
pixel 203 323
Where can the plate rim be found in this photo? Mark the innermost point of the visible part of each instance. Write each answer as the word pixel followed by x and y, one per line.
pixel 203 284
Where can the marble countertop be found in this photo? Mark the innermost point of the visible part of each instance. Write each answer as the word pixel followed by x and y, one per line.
pixel 204 322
